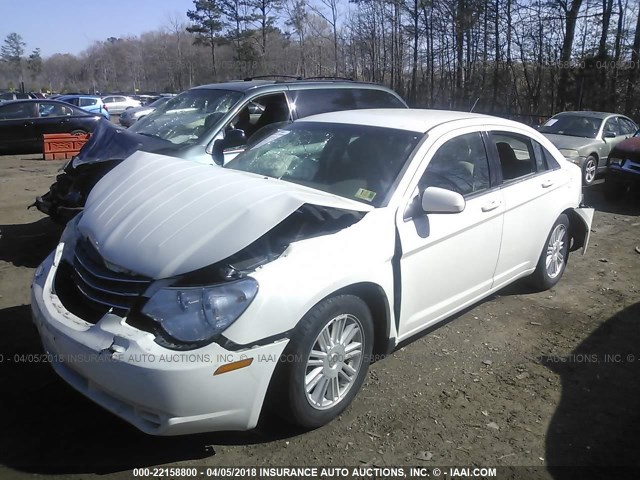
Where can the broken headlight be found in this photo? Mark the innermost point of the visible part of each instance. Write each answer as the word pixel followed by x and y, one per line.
pixel 200 313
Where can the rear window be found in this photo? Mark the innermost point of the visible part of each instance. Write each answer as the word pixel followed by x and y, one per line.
pixel 312 102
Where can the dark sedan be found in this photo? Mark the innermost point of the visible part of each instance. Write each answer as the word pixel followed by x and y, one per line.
pixel 23 122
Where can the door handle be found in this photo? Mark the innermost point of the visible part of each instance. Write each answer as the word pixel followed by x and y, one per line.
pixel 547 183
pixel 65 120
pixel 492 205
pixel 28 124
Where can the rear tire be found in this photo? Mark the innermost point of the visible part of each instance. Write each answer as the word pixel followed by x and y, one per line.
pixel 554 255
pixel 78 132
pixel 325 363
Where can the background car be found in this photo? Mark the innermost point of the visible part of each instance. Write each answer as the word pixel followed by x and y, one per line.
pixel 132 115
pixel 623 168
pixel 116 104
pixel 394 219
pixel 586 138
pixel 216 120
pixel 23 122
pixel 91 104
pixel 7 96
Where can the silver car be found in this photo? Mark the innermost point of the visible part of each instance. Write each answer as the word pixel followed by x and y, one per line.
pixel 586 138
pixel 132 115
pixel 117 104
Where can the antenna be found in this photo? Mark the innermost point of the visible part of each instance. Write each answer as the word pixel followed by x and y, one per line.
pixel 474 105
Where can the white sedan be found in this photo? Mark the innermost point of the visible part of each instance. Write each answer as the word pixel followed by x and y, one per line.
pixel 191 298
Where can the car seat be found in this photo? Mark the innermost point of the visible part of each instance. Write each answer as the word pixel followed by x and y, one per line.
pixel 511 166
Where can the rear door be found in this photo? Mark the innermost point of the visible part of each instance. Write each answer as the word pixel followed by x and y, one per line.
pixel 448 259
pixel 56 118
pixel 532 184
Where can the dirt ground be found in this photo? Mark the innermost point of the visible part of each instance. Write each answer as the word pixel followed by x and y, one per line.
pixel 521 379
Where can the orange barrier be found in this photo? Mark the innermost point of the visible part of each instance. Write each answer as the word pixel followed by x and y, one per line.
pixel 59 146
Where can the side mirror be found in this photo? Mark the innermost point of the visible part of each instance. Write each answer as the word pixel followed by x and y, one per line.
pixel 610 134
pixel 440 200
pixel 232 138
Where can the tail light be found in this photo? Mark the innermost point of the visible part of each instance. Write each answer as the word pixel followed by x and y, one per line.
pixel 105 107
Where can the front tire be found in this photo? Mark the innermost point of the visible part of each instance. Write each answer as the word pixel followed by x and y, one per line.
pixel 589 170
pixel 325 363
pixel 554 255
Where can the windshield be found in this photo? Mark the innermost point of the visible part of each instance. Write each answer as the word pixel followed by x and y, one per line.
pixel 187 117
pixel 573 126
pixel 357 162
pixel 157 103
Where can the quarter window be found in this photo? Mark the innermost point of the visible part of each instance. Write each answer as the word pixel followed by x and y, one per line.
pixel 460 165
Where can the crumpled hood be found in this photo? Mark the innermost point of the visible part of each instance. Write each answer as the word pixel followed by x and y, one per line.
pixel 570 143
pixel 160 216
pixel 108 143
pixel 629 148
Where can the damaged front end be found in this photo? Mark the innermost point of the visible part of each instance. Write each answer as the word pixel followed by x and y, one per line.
pixel 107 147
pixel 67 196
pixel 90 287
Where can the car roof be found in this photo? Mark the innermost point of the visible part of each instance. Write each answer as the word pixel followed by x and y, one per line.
pixel 414 120
pixel 36 100
pixel 79 96
pixel 245 85
pixel 589 113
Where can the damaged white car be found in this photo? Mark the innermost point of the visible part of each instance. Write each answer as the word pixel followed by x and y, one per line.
pixel 190 298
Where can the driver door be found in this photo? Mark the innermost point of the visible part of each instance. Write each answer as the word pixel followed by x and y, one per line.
pixel 448 259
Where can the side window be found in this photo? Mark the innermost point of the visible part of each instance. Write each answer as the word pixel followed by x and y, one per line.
pixel 370 98
pixel 612 126
pixel 108 100
pixel 53 110
pixel 627 127
pixel 460 165
pixel 516 155
pixel 312 102
pixel 262 116
pixel 85 102
pixel 15 112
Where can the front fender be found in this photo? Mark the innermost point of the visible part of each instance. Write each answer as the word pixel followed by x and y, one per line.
pixel 581 219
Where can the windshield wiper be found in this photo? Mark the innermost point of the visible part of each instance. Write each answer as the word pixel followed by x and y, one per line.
pixel 152 136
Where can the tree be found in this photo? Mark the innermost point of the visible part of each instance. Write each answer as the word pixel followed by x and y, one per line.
pixel 206 24
pixel 12 51
pixel 298 18
pixel 34 63
pixel 567 46
pixel 262 16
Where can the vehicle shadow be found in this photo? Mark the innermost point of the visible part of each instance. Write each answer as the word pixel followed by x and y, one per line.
pixel 27 245
pixel 597 423
pixel 49 428
pixel 629 205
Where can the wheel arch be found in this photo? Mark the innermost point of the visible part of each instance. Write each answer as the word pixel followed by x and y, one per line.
pixel 374 296
pixel 577 229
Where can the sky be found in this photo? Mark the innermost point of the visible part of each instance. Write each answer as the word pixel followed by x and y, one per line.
pixel 70 26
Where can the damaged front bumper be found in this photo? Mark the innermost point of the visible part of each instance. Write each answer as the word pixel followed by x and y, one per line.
pixel 160 391
pixel 63 201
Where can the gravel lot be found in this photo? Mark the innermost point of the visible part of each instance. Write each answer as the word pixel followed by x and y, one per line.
pixel 521 379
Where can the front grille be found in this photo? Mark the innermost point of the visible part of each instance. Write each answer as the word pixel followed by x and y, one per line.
pixel 102 286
